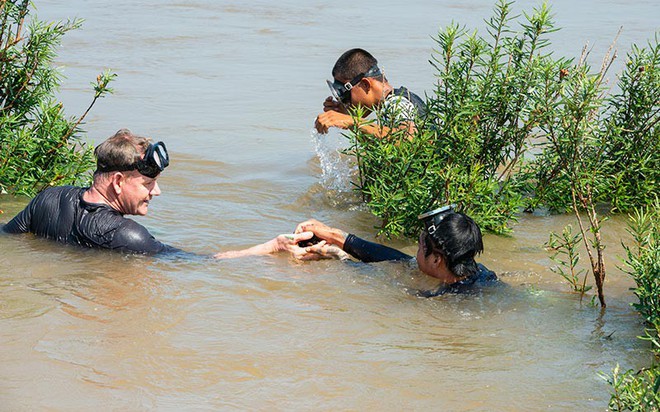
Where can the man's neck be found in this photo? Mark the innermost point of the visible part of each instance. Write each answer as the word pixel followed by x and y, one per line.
pixel 450 278
pixel 445 276
pixel 94 195
pixel 387 89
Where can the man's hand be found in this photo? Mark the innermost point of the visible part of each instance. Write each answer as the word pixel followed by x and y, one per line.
pixel 332 236
pixel 321 230
pixel 322 250
pixel 331 104
pixel 332 118
pixel 289 243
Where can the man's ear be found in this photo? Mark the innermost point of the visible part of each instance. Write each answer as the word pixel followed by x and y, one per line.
pixel 117 180
pixel 366 84
pixel 438 260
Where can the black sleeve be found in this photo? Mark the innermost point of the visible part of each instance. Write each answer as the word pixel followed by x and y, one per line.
pixel 371 252
pixel 133 237
pixel 21 222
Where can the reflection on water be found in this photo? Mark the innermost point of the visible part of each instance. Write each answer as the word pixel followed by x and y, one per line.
pixel 233 89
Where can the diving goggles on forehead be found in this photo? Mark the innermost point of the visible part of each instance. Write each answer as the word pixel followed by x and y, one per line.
pixel 433 218
pixel 155 160
pixel 342 91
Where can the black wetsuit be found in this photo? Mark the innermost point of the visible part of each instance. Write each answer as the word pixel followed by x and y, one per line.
pixel 60 213
pixel 373 252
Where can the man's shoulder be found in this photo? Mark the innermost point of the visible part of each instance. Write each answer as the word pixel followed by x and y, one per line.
pixel 132 228
pixel 402 105
pixel 57 200
pixel 57 192
pixel 403 91
pixel 408 96
pixel 131 236
pixel 484 274
pixel 38 215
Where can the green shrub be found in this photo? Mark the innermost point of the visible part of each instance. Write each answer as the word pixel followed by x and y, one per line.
pixel 635 391
pixel 39 145
pixel 632 149
pixel 638 390
pixel 469 146
pixel 643 261
pixel 510 126
pixel 606 145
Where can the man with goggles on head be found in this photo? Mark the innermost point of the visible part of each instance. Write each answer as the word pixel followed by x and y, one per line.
pixel 125 182
pixel 358 81
pixel 447 247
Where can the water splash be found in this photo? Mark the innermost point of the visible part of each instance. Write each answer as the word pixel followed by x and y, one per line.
pixel 337 169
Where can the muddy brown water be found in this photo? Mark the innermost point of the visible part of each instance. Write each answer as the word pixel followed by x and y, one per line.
pixel 233 88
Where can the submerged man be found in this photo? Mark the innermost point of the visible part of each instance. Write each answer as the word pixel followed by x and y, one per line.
pixel 358 81
pixel 125 181
pixel 448 245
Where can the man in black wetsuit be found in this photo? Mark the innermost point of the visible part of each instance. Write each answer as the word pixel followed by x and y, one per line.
pixel 447 246
pixel 125 181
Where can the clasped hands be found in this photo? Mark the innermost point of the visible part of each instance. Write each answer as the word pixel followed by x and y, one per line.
pixel 330 246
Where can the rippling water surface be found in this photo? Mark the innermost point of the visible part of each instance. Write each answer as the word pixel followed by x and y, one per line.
pixel 233 88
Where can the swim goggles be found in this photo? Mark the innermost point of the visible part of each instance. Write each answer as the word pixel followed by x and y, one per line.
pixel 155 160
pixel 342 91
pixel 433 218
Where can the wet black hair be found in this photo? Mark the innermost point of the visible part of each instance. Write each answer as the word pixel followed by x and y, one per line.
pixel 458 239
pixel 353 63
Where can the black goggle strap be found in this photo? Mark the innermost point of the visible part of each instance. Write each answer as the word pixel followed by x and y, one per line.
pixel 104 168
pixel 433 218
pixel 343 88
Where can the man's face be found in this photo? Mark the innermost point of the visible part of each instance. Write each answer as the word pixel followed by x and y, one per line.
pixel 427 264
pixel 136 192
pixel 422 260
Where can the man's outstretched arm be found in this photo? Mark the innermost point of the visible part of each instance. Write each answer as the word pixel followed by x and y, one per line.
pixel 282 243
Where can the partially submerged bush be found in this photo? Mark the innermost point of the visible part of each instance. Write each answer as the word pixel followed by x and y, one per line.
pixel 509 126
pixel 468 147
pixel 638 390
pixel 609 143
pixel 632 149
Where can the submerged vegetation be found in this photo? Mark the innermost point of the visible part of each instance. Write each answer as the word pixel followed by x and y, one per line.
pixel 638 390
pixel 39 145
pixel 566 254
